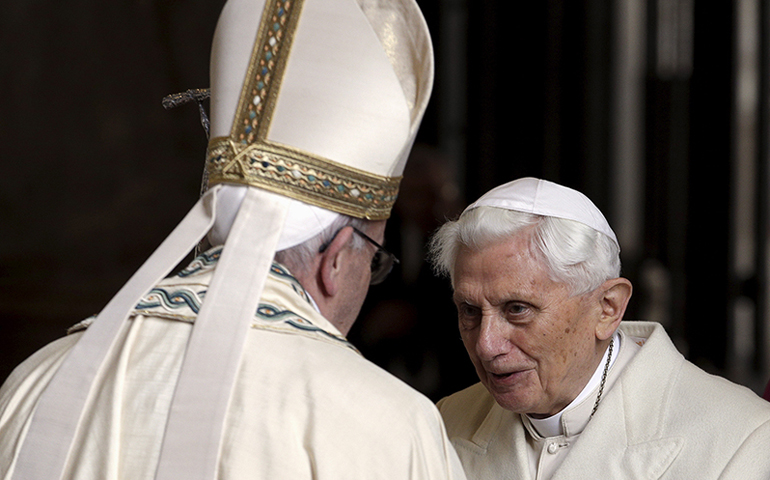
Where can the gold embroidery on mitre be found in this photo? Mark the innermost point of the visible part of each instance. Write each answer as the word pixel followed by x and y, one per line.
pixel 247 157
pixel 301 176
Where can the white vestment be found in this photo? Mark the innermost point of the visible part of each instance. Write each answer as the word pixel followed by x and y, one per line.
pixel 660 417
pixel 306 404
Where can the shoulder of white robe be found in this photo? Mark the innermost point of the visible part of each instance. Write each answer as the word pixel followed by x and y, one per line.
pixel 54 424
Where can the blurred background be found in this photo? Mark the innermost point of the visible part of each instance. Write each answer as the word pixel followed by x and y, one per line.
pixel 658 110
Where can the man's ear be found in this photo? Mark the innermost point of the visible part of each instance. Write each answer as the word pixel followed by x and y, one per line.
pixel 614 296
pixel 332 261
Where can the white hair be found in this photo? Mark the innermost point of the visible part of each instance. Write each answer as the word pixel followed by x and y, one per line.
pixel 298 257
pixel 573 253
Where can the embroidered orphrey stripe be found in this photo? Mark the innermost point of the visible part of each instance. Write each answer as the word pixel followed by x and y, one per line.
pixel 263 78
pixel 303 177
pixel 247 157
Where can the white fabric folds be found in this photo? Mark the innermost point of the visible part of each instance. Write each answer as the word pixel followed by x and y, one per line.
pixel 191 444
pixel 303 221
pixel 58 413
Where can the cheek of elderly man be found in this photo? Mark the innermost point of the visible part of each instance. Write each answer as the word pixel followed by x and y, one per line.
pixel 568 390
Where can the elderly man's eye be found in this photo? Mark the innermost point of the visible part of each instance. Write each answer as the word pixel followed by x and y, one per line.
pixel 516 309
pixel 468 316
pixel 465 310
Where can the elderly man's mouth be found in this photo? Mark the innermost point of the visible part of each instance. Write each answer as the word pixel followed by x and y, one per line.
pixel 508 377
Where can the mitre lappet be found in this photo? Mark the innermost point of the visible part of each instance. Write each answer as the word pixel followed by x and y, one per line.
pixel 315 105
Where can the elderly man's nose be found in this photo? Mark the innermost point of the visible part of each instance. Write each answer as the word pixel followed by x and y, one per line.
pixel 492 341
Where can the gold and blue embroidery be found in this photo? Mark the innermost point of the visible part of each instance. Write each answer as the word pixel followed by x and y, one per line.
pixel 204 261
pixel 272 313
pixel 182 301
pixel 278 270
pixel 172 299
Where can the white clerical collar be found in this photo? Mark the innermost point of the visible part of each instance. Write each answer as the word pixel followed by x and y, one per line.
pixel 552 426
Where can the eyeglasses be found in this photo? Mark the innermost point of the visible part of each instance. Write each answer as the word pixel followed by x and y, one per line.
pixel 382 262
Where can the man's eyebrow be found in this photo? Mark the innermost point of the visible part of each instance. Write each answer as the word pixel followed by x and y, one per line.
pixel 459 298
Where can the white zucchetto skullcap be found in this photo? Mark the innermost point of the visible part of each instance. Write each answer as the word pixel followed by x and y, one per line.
pixel 548 199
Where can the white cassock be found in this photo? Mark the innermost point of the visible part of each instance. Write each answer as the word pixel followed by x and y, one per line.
pixel 660 417
pixel 306 404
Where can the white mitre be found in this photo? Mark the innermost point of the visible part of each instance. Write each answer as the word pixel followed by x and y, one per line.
pixel 315 105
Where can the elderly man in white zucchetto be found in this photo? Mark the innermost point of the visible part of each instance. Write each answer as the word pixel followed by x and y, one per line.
pixel 568 390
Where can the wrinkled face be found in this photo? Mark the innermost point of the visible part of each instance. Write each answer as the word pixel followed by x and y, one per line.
pixel 533 345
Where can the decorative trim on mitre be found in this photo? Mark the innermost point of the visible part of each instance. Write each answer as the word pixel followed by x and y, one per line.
pixel 303 177
pixel 263 78
pixel 248 158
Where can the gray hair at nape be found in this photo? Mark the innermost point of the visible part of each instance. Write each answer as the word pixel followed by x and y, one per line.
pixel 299 257
pixel 573 253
